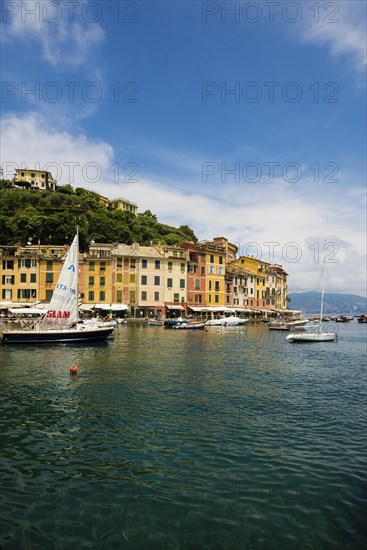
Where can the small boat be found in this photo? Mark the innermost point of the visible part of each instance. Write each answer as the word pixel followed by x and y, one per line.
pixel 362 319
pixel 316 335
pixel 171 323
pixel 230 321
pixel 59 323
pixel 155 323
pixel 343 319
pixel 190 325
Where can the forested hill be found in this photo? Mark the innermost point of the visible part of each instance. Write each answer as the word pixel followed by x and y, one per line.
pixel 51 218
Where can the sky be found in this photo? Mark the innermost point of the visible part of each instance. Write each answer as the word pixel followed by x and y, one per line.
pixel 240 119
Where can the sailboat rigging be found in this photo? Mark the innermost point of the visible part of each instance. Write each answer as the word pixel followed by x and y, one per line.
pixel 318 335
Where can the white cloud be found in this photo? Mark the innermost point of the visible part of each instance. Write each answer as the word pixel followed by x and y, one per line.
pixel 66 37
pixel 280 212
pixel 341 26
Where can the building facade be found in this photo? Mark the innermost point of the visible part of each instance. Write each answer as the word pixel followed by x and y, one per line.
pixel 157 280
pixel 34 179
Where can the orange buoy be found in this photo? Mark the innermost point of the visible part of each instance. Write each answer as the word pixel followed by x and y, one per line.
pixel 73 369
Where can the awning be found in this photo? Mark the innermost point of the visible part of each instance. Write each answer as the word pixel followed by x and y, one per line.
pixel 7 305
pixel 111 307
pixel 175 307
pixel 86 307
pixel 27 310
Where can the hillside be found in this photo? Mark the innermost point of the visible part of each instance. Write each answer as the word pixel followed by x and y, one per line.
pixel 334 304
pixel 51 218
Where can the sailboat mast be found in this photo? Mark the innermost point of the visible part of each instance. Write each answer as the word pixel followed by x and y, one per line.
pixel 322 294
pixel 77 273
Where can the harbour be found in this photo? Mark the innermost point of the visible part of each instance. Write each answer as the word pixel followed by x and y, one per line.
pixel 228 437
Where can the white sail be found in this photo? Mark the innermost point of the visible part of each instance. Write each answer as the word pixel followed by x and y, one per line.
pixel 63 309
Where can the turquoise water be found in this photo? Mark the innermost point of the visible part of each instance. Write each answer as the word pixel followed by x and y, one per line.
pixel 171 439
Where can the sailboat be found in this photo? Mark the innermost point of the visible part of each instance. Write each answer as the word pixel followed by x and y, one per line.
pixel 60 321
pixel 316 335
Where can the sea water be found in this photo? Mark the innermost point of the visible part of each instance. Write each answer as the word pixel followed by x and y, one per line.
pixel 227 438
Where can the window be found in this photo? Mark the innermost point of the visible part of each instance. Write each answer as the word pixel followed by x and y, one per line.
pixel 144 296
pixel 182 266
pixel 227 299
pixel 8 264
pixel 210 285
pixel 119 278
pixel 157 264
pixel 33 175
pixel 197 284
pixel 49 265
pixel 27 263
pixel 216 299
pixel 251 290
pixel 228 288
pixel 132 295
pixel 221 271
pixel 27 293
pixel 102 281
pixel 49 294
pixel 202 270
pixel 91 295
pixel 211 269
pixel 23 277
pixel 217 286
pixel 191 269
pixel 102 266
pixel 182 283
pixel 132 278
pixel 33 278
pixel 156 296
pixel 175 254
pixel 132 263
pixel 157 280
pixel 169 283
pixel 144 279
pixel 252 279
pixel 169 266
pixel 49 277
pixel 257 280
pixel 176 297
pixel 144 264
pixel 198 298
pixel 257 295
pixel 91 281
pixel 211 258
pixel 102 296
pixel 6 294
pixel 221 259
pixel 91 266
pixel 119 296
pixel 8 279
pixel 210 298
pixel 119 263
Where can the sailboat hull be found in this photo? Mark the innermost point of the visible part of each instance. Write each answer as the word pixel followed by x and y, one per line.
pixel 56 336
pixel 312 337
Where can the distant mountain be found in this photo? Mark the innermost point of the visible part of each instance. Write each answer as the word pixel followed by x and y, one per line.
pixel 334 304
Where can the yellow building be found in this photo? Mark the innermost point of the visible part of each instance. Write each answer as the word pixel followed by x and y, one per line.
pixel 29 274
pixel 218 251
pixel 123 204
pixel 259 269
pixel 95 274
pixel 34 179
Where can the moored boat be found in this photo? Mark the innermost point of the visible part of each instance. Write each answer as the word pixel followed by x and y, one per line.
pixel 190 325
pixel 59 323
pixel 316 335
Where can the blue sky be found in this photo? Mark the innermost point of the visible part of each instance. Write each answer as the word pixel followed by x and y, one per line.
pixel 147 89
